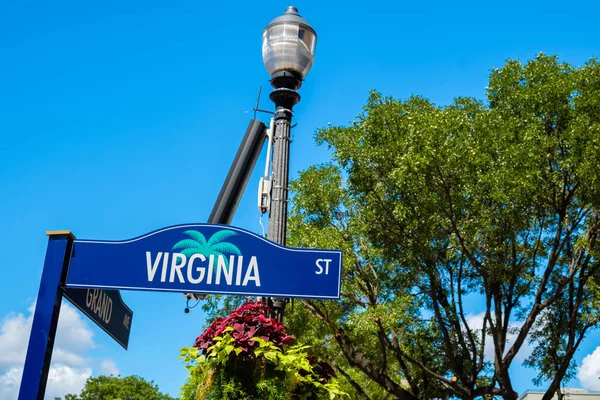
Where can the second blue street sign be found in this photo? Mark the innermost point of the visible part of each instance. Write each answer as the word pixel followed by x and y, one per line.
pixel 106 308
pixel 205 258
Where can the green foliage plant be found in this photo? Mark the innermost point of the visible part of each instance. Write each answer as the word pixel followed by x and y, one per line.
pixel 256 368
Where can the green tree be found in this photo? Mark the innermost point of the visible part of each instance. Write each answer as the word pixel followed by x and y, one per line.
pixel 462 225
pixel 118 388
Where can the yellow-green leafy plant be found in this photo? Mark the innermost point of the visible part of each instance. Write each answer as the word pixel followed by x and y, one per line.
pixel 248 356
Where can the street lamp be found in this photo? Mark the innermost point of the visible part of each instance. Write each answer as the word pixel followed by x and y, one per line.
pixel 288 52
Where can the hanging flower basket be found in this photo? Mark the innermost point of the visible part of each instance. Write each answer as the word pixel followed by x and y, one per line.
pixel 248 356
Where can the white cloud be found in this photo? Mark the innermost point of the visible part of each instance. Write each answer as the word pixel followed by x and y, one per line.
pixel 68 357
pixel 71 365
pixel 589 371
pixel 73 335
pixel 73 332
pixel 109 367
pixel 475 322
pixel 62 379
pixel 14 334
pixel 9 383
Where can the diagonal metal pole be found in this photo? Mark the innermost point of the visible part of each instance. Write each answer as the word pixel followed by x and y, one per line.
pixel 239 173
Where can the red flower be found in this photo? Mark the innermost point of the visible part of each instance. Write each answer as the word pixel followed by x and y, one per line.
pixel 248 321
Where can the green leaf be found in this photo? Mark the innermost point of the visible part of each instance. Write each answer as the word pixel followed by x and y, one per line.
pixel 187 244
pixel 220 236
pixel 197 236
pixel 261 342
pixel 226 248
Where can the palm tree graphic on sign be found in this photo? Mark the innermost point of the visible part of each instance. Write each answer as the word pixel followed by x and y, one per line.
pixel 216 245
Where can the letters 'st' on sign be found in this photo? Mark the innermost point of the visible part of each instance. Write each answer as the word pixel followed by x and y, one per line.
pixel 320 261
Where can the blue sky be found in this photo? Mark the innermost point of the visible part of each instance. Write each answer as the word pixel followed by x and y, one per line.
pixel 118 118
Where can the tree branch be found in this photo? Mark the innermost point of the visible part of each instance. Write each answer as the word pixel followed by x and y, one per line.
pixel 357 359
pixel 353 383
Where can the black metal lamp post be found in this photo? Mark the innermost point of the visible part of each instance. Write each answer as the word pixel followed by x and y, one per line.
pixel 288 51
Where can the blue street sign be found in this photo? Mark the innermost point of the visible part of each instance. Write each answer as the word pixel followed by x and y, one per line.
pixel 205 258
pixel 106 308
